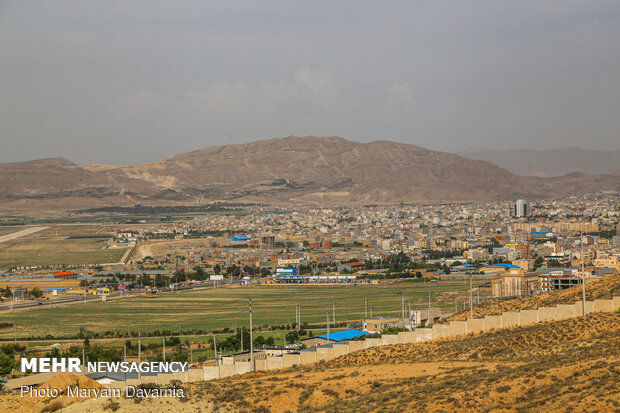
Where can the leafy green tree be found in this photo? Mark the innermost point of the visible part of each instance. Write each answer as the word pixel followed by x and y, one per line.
pixel 7 364
pixel 292 336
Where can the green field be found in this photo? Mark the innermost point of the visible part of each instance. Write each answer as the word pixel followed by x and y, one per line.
pixel 52 246
pixel 216 309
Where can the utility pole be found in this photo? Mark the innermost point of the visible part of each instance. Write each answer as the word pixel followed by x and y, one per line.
pixel 164 348
pixel 334 311
pixel 124 352
pixel 215 350
pixel 471 297
pixel 429 299
pixel 251 340
pixel 583 274
pixel 242 339
pixel 366 307
pixel 139 353
pixel 327 317
pixel 402 307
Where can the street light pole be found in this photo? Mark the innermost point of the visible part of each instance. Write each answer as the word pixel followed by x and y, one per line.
pixel 471 297
pixel 583 274
pixel 327 317
pixel 215 350
pixel 251 340
pixel 402 307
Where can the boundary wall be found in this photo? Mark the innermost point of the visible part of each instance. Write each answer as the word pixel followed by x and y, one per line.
pixel 419 335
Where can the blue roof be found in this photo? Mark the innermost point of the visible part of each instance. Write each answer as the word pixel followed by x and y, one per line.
pixel 240 238
pixel 344 335
pixel 465 265
pixel 506 265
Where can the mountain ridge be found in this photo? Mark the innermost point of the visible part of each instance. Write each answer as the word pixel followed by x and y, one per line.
pixel 291 169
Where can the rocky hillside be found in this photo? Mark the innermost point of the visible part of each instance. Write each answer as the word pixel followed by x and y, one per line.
pixel 293 169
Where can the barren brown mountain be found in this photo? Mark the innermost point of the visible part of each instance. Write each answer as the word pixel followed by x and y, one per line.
pixel 293 169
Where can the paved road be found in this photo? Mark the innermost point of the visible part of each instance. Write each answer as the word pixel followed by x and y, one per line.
pixel 22 233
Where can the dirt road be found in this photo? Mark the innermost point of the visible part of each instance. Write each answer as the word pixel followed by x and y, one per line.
pixel 22 233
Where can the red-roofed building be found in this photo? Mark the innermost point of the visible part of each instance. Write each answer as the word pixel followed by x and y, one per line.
pixel 65 274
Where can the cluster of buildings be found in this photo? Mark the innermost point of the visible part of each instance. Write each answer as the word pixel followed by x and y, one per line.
pixel 514 242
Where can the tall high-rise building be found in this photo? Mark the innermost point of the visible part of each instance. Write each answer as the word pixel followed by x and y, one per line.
pixel 520 208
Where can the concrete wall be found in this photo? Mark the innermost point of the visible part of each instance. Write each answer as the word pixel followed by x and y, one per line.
pixel 122 385
pixel 492 322
pixel 616 302
pixel 324 353
pixel 510 319
pixel 406 337
pixel 387 339
pixel 603 306
pixel 195 375
pixel 475 325
pixel 440 331
pixel 308 356
pixel 340 349
pixel 183 376
pixel 260 364
pixel 458 328
pixel 227 370
pixel 579 307
pixel 529 317
pixel 164 379
pixel 242 367
pixel 565 311
pixel 356 345
pixel 274 363
pixel 373 342
pixel 211 372
pixel 423 334
pixel 132 382
pixel 547 313
pixel 290 360
pixel 148 379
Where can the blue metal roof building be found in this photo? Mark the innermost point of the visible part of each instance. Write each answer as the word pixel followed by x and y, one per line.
pixel 506 265
pixel 240 238
pixel 345 335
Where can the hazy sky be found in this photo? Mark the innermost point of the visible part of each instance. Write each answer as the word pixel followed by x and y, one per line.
pixel 122 81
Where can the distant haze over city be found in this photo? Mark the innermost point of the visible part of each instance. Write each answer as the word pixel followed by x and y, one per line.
pixel 134 82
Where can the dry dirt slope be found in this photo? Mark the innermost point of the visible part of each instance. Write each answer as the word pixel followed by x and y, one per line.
pixel 565 366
